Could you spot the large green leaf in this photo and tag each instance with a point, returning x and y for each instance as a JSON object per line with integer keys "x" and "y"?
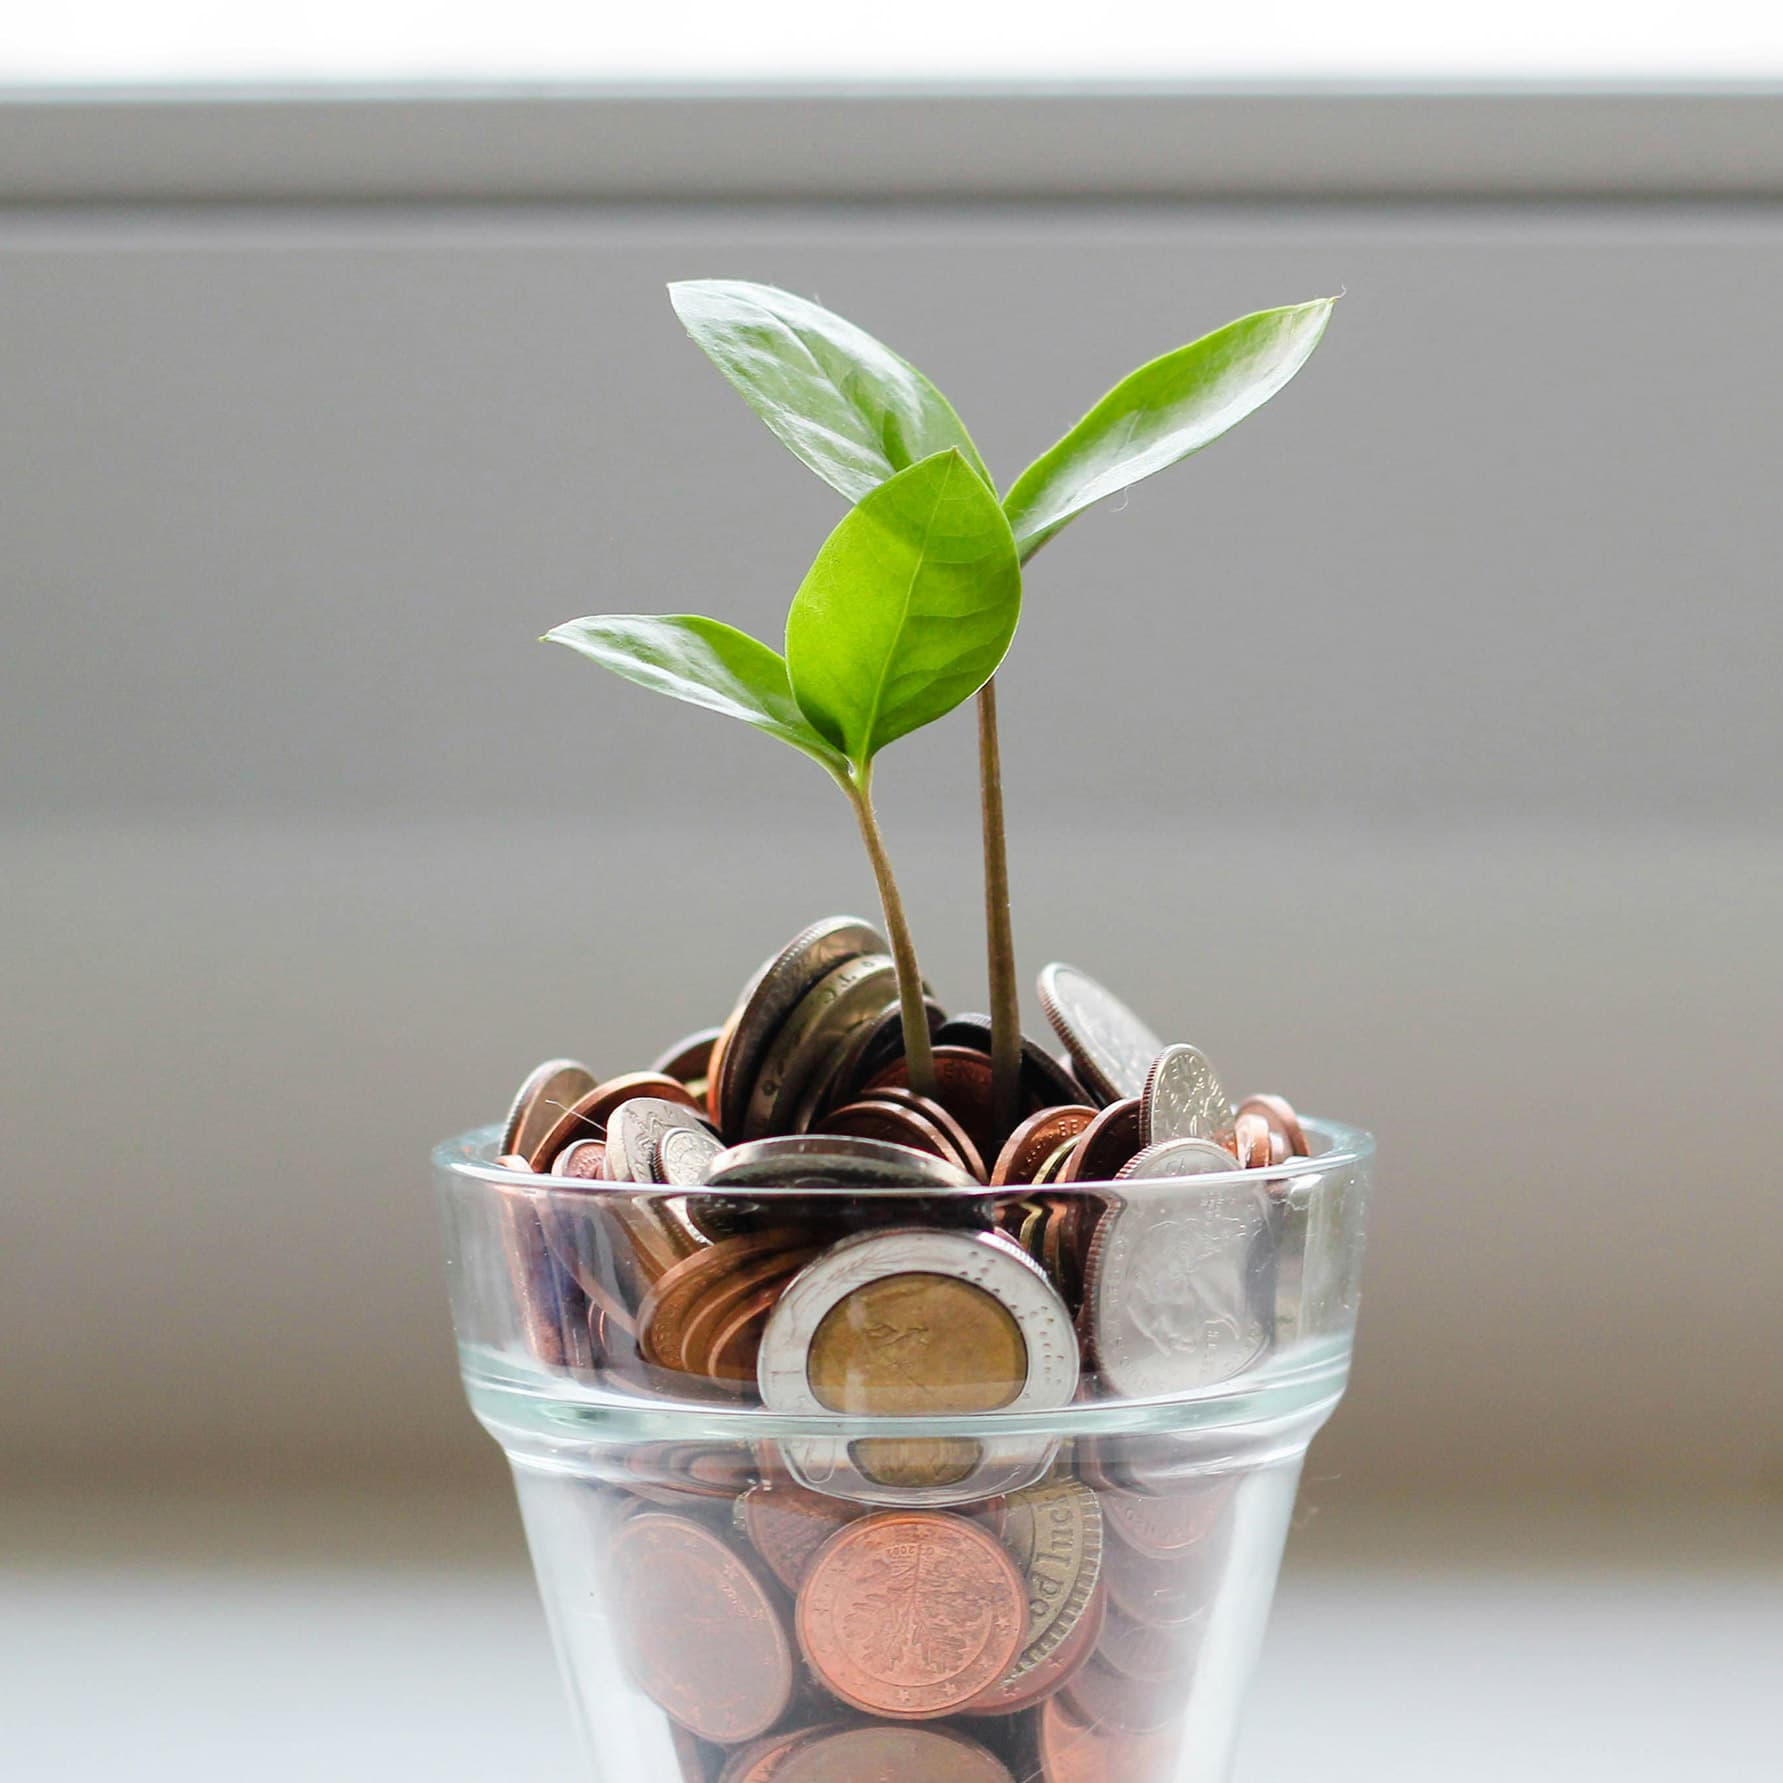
{"x": 908, "y": 609}
{"x": 853, "y": 410}
{"x": 1160, "y": 414}
{"x": 704, "y": 663}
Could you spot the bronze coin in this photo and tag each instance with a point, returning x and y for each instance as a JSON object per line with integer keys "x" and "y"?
{"x": 1044, "y": 1081}
{"x": 694, "y": 1756}
{"x": 1279, "y": 1112}
{"x": 1072, "y": 1750}
{"x": 689, "y": 1058}
{"x": 911, "y": 1614}
{"x": 548, "y": 1090}
{"x": 787, "y": 1524}
{"x": 545, "y": 1298}
{"x": 715, "y": 1309}
{"x": 892, "y": 1755}
{"x": 662, "y": 1316}
{"x": 865, "y": 1056}
{"x": 1163, "y": 1525}
{"x": 917, "y": 1344}
{"x": 962, "y": 1087}
{"x": 1107, "y": 1698}
{"x": 824, "y": 1020}
{"x": 1111, "y": 1140}
{"x": 702, "y": 1636}
{"x": 1053, "y": 1532}
{"x": 1036, "y": 1139}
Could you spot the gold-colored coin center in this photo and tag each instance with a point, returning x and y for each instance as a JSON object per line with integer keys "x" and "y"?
{"x": 910, "y": 1345}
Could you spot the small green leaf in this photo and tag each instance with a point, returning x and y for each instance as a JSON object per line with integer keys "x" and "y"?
{"x": 704, "y": 663}
{"x": 848, "y": 406}
{"x": 1161, "y": 413}
{"x": 908, "y": 609}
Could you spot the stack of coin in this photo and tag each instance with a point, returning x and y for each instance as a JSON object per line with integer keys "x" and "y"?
{"x": 770, "y": 1214}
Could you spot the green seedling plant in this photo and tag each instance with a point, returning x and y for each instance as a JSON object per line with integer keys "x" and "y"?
{"x": 861, "y": 416}
{"x": 905, "y": 614}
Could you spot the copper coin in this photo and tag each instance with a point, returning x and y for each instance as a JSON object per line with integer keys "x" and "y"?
{"x": 1251, "y": 1134}
{"x": 1036, "y": 1139}
{"x": 1023, "y": 1687}
{"x": 1165, "y": 1593}
{"x": 892, "y": 1755}
{"x": 1107, "y": 1698}
{"x": 1279, "y": 1112}
{"x": 1074, "y": 1751}
{"x": 758, "y": 1284}
{"x": 729, "y": 1353}
{"x": 1044, "y": 1081}
{"x": 962, "y": 1087}
{"x": 1165, "y": 1524}
{"x": 663, "y": 1314}
{"x": 960, "y": 1142}
{"x": 1106, "y": 1145}
{"x": 693, "y": 1755}
{"x": 911, "y": 1614}
{"x": 866, "y": 1055}
{"x": 770, "y": 997}
{"x": 548, "y": 1090}
{"x": 582, "y": 1160}
{"x": 702, "y": 1636}
{"x": 876, "y": 1119}
{"x": 787, "y": 1524}
{"x": 1154, "y": 1655}
{"x": 689, "y": 1058}
{"x": 539, "y": 1284}
{"x": 763, "y": 1759}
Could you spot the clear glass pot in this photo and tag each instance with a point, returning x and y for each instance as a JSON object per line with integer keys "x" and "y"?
{"x": 1046, "y": 1550}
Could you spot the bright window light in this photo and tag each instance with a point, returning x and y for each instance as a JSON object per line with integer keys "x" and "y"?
{"x": 76, "y": 42}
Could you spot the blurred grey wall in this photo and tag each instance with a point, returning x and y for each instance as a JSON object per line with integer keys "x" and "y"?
{"x": 1415, "y": 750}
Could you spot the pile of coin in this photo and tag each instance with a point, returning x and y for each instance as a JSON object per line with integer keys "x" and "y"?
{"x": 1050, "y": 1633}
{"x": 771, "y": 1216}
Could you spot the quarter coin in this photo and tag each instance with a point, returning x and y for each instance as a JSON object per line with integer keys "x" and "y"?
{"x": 635, "y": 1132}
{"x": 1176, "y": 1157}
{"x": 911, "y": 1614}
{"x": 1110, "y": 1046}
{"x": 1182, "y": 1098}
{"x": 1179, "y": 1281}
{"x": 700, "y": 1631}
{"x": 685, "y": 1154}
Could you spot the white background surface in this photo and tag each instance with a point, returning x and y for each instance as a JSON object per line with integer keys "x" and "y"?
{"x": 352, "y": 1639}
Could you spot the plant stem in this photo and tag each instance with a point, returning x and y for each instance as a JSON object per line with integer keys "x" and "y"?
{"x": 999, "y": 932}
{"x": 919, "y": 1058}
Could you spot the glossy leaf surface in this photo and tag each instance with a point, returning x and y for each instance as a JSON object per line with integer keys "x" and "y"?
{"x": 1161, "y": 413}
{"x": 846, "y": 404}
{"x": 705, "y": 663}
{"x": 907, "y": 610}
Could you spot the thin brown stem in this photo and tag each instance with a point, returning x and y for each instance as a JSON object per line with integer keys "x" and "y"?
{"x": 919, "y": 1056}
{"x": 999, "y": 931}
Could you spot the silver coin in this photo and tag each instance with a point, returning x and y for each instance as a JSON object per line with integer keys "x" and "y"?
{"x": 550, "y": 1090}
{"x": 1110, "y": 1046}
{"x": 772, "y": 995}
{"x": 1182, "y": 1098}
{"x": 984, "y": 1260}
{"x": 1180, "y": 1279}
{"x": 819, "y": 1161}
{"x": 635, "y": 1131}
{"x": 685, "y": 1154}
{"x": 854, "y": 994}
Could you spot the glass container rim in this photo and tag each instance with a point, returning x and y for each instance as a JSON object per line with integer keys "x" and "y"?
{"x": 472, "y": 1153}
